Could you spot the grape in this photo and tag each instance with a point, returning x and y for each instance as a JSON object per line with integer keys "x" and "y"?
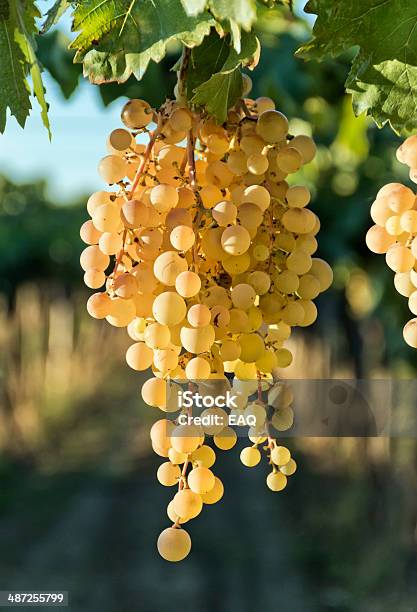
{"x": 260, "y": 281}
{"x": 289, "y": 160}
{"x": 298, "y": 220}
{"x": 89, "y": 234}
{"x": 99, "y": 305}
{"x": 298, "y": 196}
{"x": 125, "y": 286}
{"x": 292, "y": 313}
{"x": 203, "y": 456}
{"x": 218, "y": 174}
{"x": 410, "y": 333}
{"x": 160, "y": 433}
{"x": 235, "y": 240}
{"x": 272, "y": 126}
{"x": 197, "y": 340}
{"x": 182, "y": 237}
{"x": 181, "y": 120}
{"x": 276, "y": 481}
{"x": 378, "y": 240}
{"x": 169, "y": 308}
{"x": 243, "y": 296}
{"x": 229, "y": 350}
{"x": 252, "y": 145}
{"x": 249, "y": 215}
{"x": 224, "y": 213}
{"x": 170, "y": 155}
{"x": 112, "y": 169}
{"x": 286, "y": 282}
{"x": 407, "y": 152}
{"x": 250, "y": 456}
{"x": 210, "y": 196}
{"x": 139, "y": 356}
{"x": 226, "y": 439}
{"x": 94, "y": 279}
{"x": 403, "y": 284}
{"x": 174, "y": 544}
{"x": 106, "y": 218}
{"x": 310, "y": 312}
{"x": 299, "y": 261}
{"x": 307, "y": 243}
{"x": 168, "y": 474}
{"x": 323, "y": 272}
{"x": 257, "y": 163}
{"x": 201, "y": 480}
{"x": 135, "y": 214}
{"x": 237, "y": 162}
{"x": 119, "y": 140}
{"x": 154, "y": 392}
{"x": 199, "y": 315}
{"x": 257, "y": 194}
{"x": 185, "y": 439}
{"x": 136, "y": 114}
{"x": 264, "y": 104}
{"x": 211, "y": 243}
{"x": 252, "y": 347}
{"x": 399, "y": 258}
{"x": 188, "y": 284}
{"x": 309, "y": 287}
{"x": 93, "y": 258}
{"x": 157, "y": 336}
{"x": 215, "y": 494}
{"x": 197, "y": 368}
{"x": 168, "y": 266}
{"x": 305, "y": 145}
{"x": 164, "y": 197}
{"x": 408, "y": 221}
{"x": 110, "y": 244}
{"x": 283, "y": 419}
{"x": 98, "y": 199}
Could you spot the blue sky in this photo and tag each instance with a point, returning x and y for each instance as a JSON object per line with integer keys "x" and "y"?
{"x": 79, "y": 128}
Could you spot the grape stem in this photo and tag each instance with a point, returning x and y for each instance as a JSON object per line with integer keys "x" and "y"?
{"x": 145, "y": 159}
{"x": 271, "y": 441}
{"x": 193, "y": 183}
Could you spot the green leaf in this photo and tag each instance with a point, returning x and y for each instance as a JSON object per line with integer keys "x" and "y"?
{"x": 242, "y": 12}
{"x": 24, "y": 35}
{"x": 219, "y": 93}
{"x": 14, "y": 90}
{"x": 54, "y": 14}
{"x": 383, "y": 77}
{"x": 214, "y": 80}
{"x": 118, "y": 38}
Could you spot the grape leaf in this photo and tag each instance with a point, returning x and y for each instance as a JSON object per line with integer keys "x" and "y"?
{"x": 214, "y": 80}
{"x": 14, "y": 90}
{"x": 242, "y": 12}
{"x": 54, "y": 14}
{"x": 383, "y": 76}
{"x": 24, "y": 36}
{"x": 118, "y": 38}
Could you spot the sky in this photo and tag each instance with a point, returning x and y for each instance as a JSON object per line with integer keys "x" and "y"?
{"x": 80, "y": 127}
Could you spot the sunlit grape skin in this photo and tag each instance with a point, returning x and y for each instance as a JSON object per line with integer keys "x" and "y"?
{"x": 206, "y": 255}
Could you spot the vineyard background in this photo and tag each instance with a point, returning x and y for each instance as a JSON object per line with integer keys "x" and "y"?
{"x": 80, "y": 508}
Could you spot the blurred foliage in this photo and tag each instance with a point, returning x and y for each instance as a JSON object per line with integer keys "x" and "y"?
{"x": 38, "y": 241}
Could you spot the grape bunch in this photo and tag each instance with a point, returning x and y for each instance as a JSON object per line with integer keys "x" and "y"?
{"x": 212, "y": 266}
{"x": 395, "y": 233}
